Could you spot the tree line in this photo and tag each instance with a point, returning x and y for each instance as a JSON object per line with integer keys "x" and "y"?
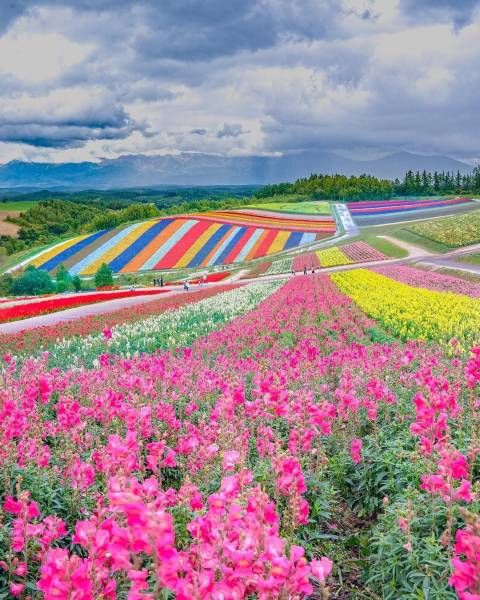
{"x": 351, "y": 188}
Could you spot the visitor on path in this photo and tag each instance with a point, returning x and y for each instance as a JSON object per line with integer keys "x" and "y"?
{"x": 313, "y": 270}
{"x": 185, "y": 286}
{"x": 305, "y": 269}
{"x": 161, "y": 280}
{"x": 204, "y": 279}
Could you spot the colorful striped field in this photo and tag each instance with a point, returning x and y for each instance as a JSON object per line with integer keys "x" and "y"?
{"x": 377, "y": 210}
{"x": 197, "y": 240}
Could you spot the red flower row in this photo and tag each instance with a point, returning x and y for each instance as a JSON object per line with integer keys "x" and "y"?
{"x": 32, "y": 339}
{"x": 33, "y": 309}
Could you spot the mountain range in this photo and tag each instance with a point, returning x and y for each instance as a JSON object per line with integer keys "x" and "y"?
{"x": 208, "y": 169}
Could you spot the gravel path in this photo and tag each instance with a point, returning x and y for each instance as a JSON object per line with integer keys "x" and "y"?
{"x": 413, "y": 250}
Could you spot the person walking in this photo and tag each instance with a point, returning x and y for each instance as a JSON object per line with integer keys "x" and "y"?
{"x": 305, "y": 269}
{"x": 185, "y": 286}
{"x": 161, "y": 280}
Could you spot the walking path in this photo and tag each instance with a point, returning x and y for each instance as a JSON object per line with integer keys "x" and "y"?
{"x": 451, "y": 264}
{"x": 413, "y": 250}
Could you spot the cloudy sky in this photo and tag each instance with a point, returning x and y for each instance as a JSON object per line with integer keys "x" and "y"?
{"x": 87, "y": 79}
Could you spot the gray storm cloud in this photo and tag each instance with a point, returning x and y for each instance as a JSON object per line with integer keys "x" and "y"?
{"x": 280, "y": 75}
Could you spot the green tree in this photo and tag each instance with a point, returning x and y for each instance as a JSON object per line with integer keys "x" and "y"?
{"x": 103, "y": 276}
{"x": 32, "y": 282}
{"x": 6, "y": 283}
{"x": 63, "y": 280}
{"x": 77, "y": 283}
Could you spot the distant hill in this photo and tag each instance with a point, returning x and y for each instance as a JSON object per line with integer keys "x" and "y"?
{"x": 207, "y": 169}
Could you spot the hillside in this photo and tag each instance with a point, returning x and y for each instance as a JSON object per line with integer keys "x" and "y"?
{"x": 194, "y": 240}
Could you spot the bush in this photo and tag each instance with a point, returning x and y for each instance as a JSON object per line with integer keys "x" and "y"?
{"x": 77, "y": 283}
{"x": 64, "y": 280}
{"x": 32, "y": 282}
{"x": 6, "y": 282}
{"x": 104, "y": 276}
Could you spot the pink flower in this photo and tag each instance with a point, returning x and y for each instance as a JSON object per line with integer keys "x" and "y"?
{"x": 230, "y": 459}
{"x": 16, "y": 589}
{"x": 107, "y": 333}
{"x": 464, "y": 491}
{"x": 356, "y": 450}
{"x": 322, "y": 568}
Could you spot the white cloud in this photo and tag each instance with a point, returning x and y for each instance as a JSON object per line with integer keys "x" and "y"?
{"x": 35, "y": 57}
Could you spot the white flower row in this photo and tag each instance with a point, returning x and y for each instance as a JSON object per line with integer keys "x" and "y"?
{"x": 280, "y": 266}
{"x": 173, "y": 328}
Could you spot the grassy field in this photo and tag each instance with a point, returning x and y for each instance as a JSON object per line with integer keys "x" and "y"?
{"x": 19, "y": 206}
{"x": 385, "y": 246}
{"x": 471, "y": 259}
{"x": 308, "y": 208}
{"x": 400, "y": 231}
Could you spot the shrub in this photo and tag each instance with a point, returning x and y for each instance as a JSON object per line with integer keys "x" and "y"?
{"x": 104, "y": 276}
{"x": 64, "y": 281}
{"x": 32, "y": 282}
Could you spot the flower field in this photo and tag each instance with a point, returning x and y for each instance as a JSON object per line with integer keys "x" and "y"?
{"x": 413, "y": 313}
{"x": 392, "y": 207}
{"x": 453, "y": 232}
{"x": 171, "y": 328}
{"x": 309, "y": 260}
{"x": 195, "y": 240}
{"x": 355, "y": 252}
{"x": 39, "y": 339}
{"x": 280, "y": 266}
{"x": 24, "y": 310}
{"x": 313, "y": 439}
{"x": 430, "y": 280}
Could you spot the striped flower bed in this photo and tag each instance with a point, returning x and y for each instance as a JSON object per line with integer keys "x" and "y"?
{"x": 280, "y": 266}
{"x": 200, "y": 240}
{"x": 333, "y": 257}
{"x": 39, "y": 339}
{"x": 42, "y": 307}
{"x": 355, "y": 252}
{"x": 362, "y": 252}
{"x": 309, "y": 260}
{"x": 384, "y": 207}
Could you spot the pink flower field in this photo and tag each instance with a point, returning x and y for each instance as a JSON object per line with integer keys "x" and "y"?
{"x": 283, "y": 456}
{"x": 430, "y": 280}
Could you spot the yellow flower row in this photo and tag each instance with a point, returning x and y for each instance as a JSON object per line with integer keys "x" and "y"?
{"x": 413, "y": 313}
{"x": 332, "y": 257}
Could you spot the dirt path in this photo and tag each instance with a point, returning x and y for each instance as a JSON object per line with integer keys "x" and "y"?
{"x": 413, "y": 250}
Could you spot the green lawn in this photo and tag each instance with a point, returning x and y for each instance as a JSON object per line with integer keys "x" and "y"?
{"x": 408, "y": 235}
{"x": 308, "y": 208}
{"x": 386, "y": 247}
{"x": 471, "y": 259}
{"x": 21, "y": 205}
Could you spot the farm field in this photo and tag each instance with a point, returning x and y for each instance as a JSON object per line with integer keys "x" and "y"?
{"x": 368, "y": 213}
{"x": 351, "y": 253}
{"x": 284, "y": 436}
{"x": 196, "y": 240}
{"x": 452, "y": 232}
{"x": 307, "y": 208}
